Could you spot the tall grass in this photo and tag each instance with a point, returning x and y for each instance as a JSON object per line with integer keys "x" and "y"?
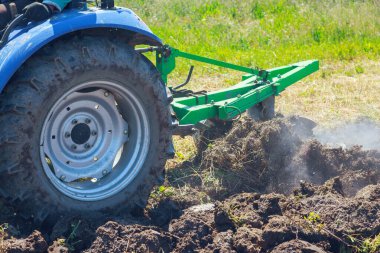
{"x": 266, "y": 33}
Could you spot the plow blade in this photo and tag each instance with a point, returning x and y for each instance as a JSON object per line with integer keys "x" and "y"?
{"x": 228, "y": 103}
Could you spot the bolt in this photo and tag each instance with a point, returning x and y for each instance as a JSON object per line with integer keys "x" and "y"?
{"x": 62, "y": 178}
{"x": 67, "y": 135}
{"x": 106, "y": 94}
{"x": 105, "y": 172}
{"x": 74, "y": 147}
{"x": 87, "y": 146}
{"x": 87, "y": 121}
{"x": 279, "y": 76}
{"x": 125, "y": 132}
{"x": 95, "y": 158}
{"x": 74, "y": 121}
{"x": 94, "y": 133}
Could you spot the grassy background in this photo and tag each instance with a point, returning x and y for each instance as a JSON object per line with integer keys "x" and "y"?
{"x": 266, "y": 32}
{"x": 343, "y": 34}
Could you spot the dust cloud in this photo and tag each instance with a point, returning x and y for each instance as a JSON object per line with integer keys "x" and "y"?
{"x": 363, "y": 132}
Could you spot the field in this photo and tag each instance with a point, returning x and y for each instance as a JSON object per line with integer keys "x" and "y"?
{"x": 306, "y": 181}
{"x": 343, "y": 35}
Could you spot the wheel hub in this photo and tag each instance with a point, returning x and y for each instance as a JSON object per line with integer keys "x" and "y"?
{"x": 86, "y": 132}
{"x": 80, "y": 133}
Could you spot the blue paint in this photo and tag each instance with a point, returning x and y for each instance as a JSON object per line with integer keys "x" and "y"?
{"x": 24, "y": 42}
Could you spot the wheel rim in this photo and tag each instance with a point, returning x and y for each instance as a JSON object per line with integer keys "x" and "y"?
{"x": 95, "y": 140}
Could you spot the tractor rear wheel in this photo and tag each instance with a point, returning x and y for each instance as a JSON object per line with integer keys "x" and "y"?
{"x": 85, "y": 128}
{"x": 263, "y": 111}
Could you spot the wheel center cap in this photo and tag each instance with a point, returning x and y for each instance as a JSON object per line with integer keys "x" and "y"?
{"x": 80, "y": 134}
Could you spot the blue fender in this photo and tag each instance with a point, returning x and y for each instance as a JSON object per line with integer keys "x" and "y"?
{"x": 24, "y": 42}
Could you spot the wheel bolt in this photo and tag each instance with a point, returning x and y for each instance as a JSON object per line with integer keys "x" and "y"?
{"x": 87, "y": 146}
{"x": 87, "y": 121}
{"x": 95, "y": 158}
{"x": 106, "y": 94}
{"x": 74, "y": 147}
{"x": 125, "y": 132}
{"x": 94, "y": 133}
{"x": 74, "y": 121}
{"x": 105, "y": 172}
{"x": 67, "y": 135}
{"x": 62, "y": 178}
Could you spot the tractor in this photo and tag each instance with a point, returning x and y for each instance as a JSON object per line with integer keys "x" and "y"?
{"x": 86, "y": 119}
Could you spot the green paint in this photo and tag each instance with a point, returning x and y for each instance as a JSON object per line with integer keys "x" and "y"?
{"x": 257, "y": 85}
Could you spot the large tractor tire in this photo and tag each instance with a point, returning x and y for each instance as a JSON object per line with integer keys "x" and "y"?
{"x": 85, "y": 128}
{"x": 263, "y": 111}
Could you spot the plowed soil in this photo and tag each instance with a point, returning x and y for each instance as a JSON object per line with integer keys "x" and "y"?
{"x": 258, "y": 187}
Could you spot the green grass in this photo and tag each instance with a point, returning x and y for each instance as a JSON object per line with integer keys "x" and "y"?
{"x": 343, "y": 34}
{"x": 266, "y": 33}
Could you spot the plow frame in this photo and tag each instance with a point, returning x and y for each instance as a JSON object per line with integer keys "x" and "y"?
{"x": 257, "y": 85}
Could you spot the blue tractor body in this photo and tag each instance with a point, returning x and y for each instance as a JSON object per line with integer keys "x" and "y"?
{"x": 25, "y": 41}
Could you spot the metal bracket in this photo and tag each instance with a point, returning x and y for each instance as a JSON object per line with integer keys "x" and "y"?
{"x": 187, "y": 79}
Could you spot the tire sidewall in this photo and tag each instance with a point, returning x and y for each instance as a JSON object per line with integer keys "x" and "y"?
{"x": 40, "y": 112}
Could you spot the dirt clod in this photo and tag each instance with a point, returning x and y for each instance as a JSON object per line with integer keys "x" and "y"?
{"x": 114, "y": 237}
{"x": 297, "y": 246}
{"x": 33, "y": 243}
{"x": 248, "y": 240}
{"x": 194, "y": 228}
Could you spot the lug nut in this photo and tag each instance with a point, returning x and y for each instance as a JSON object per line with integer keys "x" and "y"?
{"x": 105, "y": 172}
{"x": 74, "y": 121}
{"x": 106, "y": 94}
{"x": 74, "y": 147}
{"x": 95, "y": 158}
{"x": 87, "y": 121}
{"x": 67, "y": 135}
{"x": 125, "y": 132}
{"x": 87, "y": 146}
{"x": 62, "y": 178}
{"x": 94, "y": 133}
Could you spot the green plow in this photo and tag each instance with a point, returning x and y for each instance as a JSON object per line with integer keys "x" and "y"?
{"x": 257, "y": 85}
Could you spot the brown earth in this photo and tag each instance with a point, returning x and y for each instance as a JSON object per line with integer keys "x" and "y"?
{"x": 260, "y": 187}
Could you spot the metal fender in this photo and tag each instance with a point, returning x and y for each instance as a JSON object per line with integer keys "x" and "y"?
{"x": 24, "y": 42}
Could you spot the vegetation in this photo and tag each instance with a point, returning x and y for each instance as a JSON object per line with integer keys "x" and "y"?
{"x": 266, "y": 33}
{"x": 343, "y": 34}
